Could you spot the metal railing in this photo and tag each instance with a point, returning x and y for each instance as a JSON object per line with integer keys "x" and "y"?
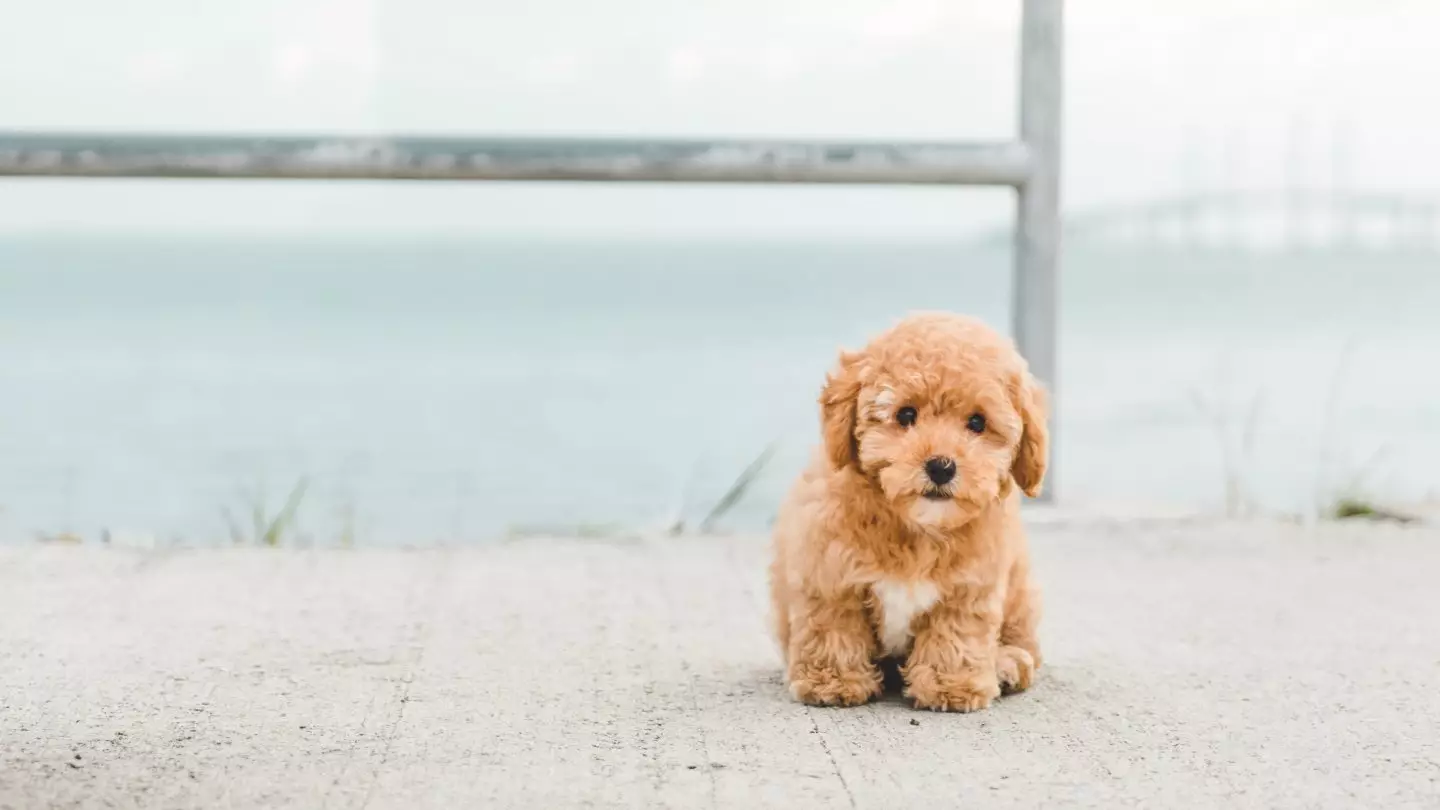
{"x": 1030, "y": 164}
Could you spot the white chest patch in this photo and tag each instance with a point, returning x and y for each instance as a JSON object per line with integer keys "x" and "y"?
{"x": 900, "y": 602}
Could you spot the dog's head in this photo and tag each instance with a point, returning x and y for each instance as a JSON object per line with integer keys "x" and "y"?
{"x": 941, "y": 414}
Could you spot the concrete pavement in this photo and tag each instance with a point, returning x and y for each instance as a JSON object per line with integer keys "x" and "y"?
{"x": 1189, "y": 665}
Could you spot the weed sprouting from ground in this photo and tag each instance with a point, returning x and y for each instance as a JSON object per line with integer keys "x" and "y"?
{"x": 737, "y": 490}
{"x": 1341, "y": 490}
{"x": 1236, "y": 453}
{"x": 674, "y": 524}
{"x": 1350, "y": 508}
{"x": 1325, "y": 460}
{"x": 266, "y": 529}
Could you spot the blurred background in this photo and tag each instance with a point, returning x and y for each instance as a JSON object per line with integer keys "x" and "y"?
{"x": 1249, "y": 275}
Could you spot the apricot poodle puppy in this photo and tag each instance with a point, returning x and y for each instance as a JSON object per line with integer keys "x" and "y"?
{"x": 902, "y": 542}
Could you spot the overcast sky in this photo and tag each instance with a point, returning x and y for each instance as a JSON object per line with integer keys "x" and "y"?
{"x": 1161, "y": 95}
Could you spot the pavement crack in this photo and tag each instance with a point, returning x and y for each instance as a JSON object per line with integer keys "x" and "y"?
{"x": 418, "y": 635}
{"x": 704, "y": 744}
{"x": 403, "y": 699}
{"x": 834, "y": 763}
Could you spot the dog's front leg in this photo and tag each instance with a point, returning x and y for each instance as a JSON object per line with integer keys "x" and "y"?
{"x": 952, "y": 665}
{"x": 832, "y": 651}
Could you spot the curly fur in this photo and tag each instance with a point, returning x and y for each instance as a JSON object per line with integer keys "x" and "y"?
{"x": 865, "y": 531}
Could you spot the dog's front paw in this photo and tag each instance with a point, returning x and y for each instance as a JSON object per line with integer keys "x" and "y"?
{"x": 829, "y": 686}
{"x": 950, "y": 692}
{"x": 1015, "y": 669}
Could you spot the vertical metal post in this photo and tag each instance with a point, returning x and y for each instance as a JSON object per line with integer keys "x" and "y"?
{"x": 1037, "y": 227}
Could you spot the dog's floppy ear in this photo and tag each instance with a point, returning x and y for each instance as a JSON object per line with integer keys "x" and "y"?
{"x": 838, "y": 409}
{"x": 1032, "y": 455}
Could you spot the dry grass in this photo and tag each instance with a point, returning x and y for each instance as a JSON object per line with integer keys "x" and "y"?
{"x": 736, "y": 493}
{"x": 1237, "y": 453}
{"x": 266, "y": 529}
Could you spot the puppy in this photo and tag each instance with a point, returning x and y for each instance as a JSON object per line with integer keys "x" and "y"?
{"x": 903, "y": 539}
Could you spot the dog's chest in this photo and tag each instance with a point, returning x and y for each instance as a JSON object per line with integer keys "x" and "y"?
{"x": 898, "y": 603}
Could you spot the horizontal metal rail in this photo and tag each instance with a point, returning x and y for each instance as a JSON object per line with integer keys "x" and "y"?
{"x": 1030, "y": 164}
{"x": 559, "y": 159}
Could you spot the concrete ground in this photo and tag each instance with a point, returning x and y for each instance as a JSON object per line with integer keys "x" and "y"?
{"x": 1195, "y": 665}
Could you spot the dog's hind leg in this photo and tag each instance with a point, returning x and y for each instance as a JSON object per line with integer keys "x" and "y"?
{"x": 1019, "y": 655}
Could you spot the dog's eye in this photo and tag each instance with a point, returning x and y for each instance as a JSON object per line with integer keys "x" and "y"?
{"x": 976, "y": 423}
{"x": 906, "y": 416}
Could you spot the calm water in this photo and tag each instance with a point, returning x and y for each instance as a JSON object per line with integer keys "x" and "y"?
{"x": 442, "y": 392}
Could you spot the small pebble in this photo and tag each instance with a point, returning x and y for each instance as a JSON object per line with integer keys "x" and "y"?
{"x": 914, "y": 722}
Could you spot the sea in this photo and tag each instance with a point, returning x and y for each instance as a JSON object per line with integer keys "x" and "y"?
{"x": 409, "y": 391}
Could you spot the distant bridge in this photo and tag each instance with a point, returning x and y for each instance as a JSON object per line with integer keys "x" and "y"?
{"x": 1302, "y": 220}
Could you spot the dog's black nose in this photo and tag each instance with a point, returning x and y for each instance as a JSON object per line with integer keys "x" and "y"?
{"x": 941, "y": 470}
